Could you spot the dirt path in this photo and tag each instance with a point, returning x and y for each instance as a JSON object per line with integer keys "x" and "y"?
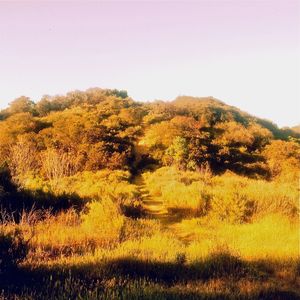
{"x": 155, "y": 209}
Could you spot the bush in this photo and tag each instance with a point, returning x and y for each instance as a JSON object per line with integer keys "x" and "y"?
{"x": 232, "y": 206}
{"x": 223, "y": 264}
{"x": 13, "y": 249}
{"x": 192, "y": 197}
{"x": 94, "y": 185}
{"x": 103, "y": 221}
{"x": 238, "y": 199}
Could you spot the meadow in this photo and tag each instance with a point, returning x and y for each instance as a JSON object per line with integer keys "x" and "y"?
{"x": 228, "y": 242}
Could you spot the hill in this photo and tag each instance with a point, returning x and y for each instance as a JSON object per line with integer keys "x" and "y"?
{"x": 296, "y": 129}
{"x": 104, "y": 197}
{"x": 100, "y": 128}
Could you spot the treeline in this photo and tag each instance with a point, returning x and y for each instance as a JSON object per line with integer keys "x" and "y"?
{"x": 58, "y": 103}
{"x": 99, "y": 129}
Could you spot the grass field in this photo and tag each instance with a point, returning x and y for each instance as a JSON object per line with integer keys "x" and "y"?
{"x": 237, "y": 238}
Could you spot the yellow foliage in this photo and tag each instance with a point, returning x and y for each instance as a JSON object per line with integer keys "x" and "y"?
{"x": 90, "y": 185}
{"x": 103, "y": 221}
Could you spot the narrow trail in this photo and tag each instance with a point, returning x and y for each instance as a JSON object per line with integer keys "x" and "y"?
{"x": 155, "y": 209}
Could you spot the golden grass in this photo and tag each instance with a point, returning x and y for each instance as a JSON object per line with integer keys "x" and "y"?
{"x": 271, "y": 231}
{"x": 229, "y": 197}
{"x": 102, "y": 236}
{"x": 272, "y": 238}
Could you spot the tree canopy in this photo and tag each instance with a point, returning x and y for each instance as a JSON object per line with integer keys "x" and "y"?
{"x": 105, "y": 129}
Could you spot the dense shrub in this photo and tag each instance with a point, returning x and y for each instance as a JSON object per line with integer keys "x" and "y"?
{"x": 283, "y": 159}
{"x": 231, "y": 206}
{"x": 89, "y": 185}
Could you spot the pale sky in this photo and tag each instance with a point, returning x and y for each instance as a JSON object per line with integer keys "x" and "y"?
{"x": 245, "y": 53}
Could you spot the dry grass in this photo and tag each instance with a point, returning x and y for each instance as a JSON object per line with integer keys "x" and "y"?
{"x": 273, "y": 237}
{"x": 211, "y": 255}
{"x": 67, "y": 236}
{"x": 229, "y": 197}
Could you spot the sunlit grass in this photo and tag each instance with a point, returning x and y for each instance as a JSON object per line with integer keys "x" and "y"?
{"x": 223, "y": 251}
{"x": 273, "y": 237}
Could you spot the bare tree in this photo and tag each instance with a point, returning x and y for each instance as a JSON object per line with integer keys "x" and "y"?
{"x": 57, "y": 164}
{"x": 23, "y": 158}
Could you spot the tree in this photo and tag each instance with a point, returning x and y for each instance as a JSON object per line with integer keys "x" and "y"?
{"x": 57, "y": 164}
{"x": 23, "y": 157}
{"x": 283, "y": 158}
{"x": 177, "y": 153}
{"x": 44, "y": 106}
{"x": 262, "y": 136}
{"x": 21, "y": 105}
{"x": 13, "y": 127}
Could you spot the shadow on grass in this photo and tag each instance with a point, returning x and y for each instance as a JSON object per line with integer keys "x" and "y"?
{"x": 14, "y": 200}
{"x": 17, "y": 201}
{"x": 129, "y": 278}
{"x": 218, "y": 265}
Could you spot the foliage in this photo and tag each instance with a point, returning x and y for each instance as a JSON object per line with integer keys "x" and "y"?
{"x": 97, "y": 129}
{"x": 283, "y": 159}
{"x": 237, "y": 200}
{"x": 177, "y": 153}
{"x": 21, "y": 105}
{"x": 104, "y": 221}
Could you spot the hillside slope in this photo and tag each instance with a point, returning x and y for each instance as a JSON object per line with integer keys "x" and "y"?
{"x": 99, "y": 129}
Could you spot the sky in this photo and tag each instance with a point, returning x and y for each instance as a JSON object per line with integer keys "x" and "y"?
{"x": 245, "y": 53}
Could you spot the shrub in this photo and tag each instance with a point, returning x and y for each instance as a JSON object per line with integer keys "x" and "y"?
{"x": 103, "y": 221}
{"x": 94, "y": 185}
{"x": 283, "y": 159}
{"x": 105, "y": 183}
{"x": 192, "y": 197}
{"x": 238, "y": 199}
{"x": 139, "y": 228}
{"x": 231, "y": 206}
{"x": 223, "y": 264}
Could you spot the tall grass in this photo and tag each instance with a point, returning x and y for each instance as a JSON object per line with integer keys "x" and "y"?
{"x": 244, "y": 241}
{"x": 229, "y": 197}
